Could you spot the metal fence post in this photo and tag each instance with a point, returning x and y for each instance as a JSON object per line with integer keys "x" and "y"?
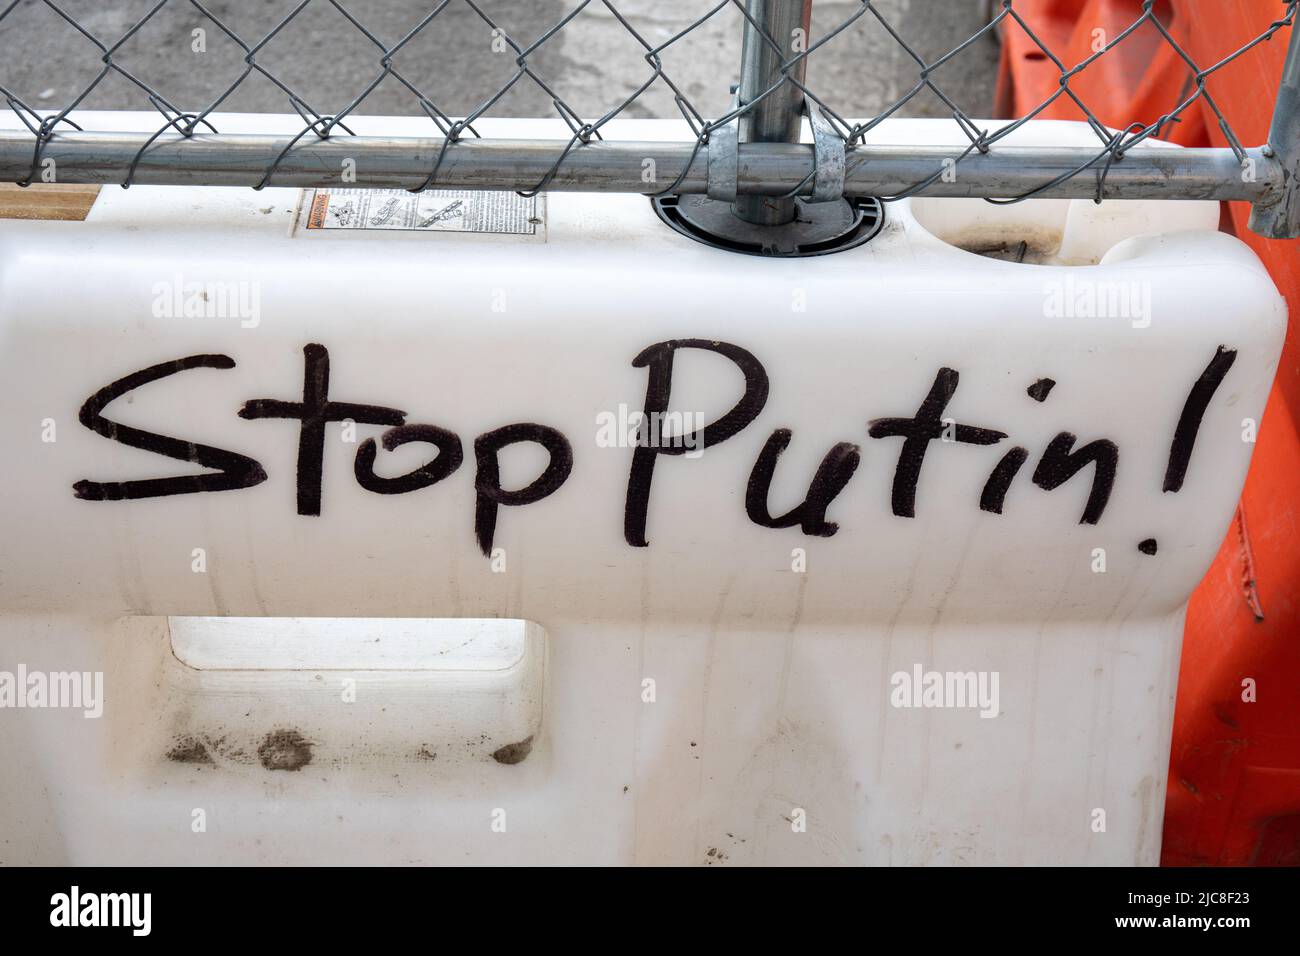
{"x": 778, "y": 117}
{"x": 1281, "y": 219}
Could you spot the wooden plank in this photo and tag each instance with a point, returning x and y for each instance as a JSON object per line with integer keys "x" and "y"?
{"x": 59, "y": 201}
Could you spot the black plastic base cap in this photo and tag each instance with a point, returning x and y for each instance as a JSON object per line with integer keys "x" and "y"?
{"x": 818, "y": 229}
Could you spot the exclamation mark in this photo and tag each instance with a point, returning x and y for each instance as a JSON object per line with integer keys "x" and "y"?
{"x": 1189, "y": 425}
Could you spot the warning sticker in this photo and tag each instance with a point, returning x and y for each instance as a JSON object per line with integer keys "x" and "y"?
{"x": 434, "y": 210}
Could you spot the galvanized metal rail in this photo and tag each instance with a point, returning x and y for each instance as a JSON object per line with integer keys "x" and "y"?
{"x": 764, "y": 169}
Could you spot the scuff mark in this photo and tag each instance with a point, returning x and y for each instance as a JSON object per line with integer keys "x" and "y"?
{"x": 284, "y": 750}
{"x": 1248, "y": 585}
{"x": 514, "y": 753}
{"x": 190, "y": 750}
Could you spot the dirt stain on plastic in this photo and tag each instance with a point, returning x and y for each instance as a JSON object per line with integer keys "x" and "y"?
{"x": 190, "y": 750}
{"x": 514, "y": 753}
{"x": 284, "y": 750}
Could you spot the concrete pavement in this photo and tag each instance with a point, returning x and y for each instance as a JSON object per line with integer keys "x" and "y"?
{"x": 593, "y": 62}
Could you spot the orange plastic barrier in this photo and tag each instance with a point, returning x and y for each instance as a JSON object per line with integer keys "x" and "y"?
{"x": 1234, "y": 790}
{"x": 1141, "y": 79}
{"x": 1234, "y": 783}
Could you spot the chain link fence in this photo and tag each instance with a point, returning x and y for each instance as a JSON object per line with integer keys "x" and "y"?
{"x": 741, "y": 140}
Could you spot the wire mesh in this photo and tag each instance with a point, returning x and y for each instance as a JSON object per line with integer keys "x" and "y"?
{"x": 112, "y": 46}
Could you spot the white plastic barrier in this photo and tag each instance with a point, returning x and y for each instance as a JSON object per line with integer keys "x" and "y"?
{"x": 693, "y": 687}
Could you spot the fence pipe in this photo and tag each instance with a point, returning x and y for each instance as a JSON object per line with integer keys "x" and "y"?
{"x": 765, "y": 169}
{"x": 777, "y": 117}
{"x": 1280, "y": 219}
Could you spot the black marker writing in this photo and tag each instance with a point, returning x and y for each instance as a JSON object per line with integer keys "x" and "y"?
{"x": 658, "y": 359}
{"x": 919, "y": 431}
{"x": 832, "y": 475}
{"x": 1041, "y": 389}
{"x": 487, "y": 482}
{"x": 233, "y": 470}
{"x": 314, "y": 411}
{"x": 1059, "y": 464}
{"x": 447, "y": 460}
{"x": 1189, "y": 423}
{"x": 995, "y": 489}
